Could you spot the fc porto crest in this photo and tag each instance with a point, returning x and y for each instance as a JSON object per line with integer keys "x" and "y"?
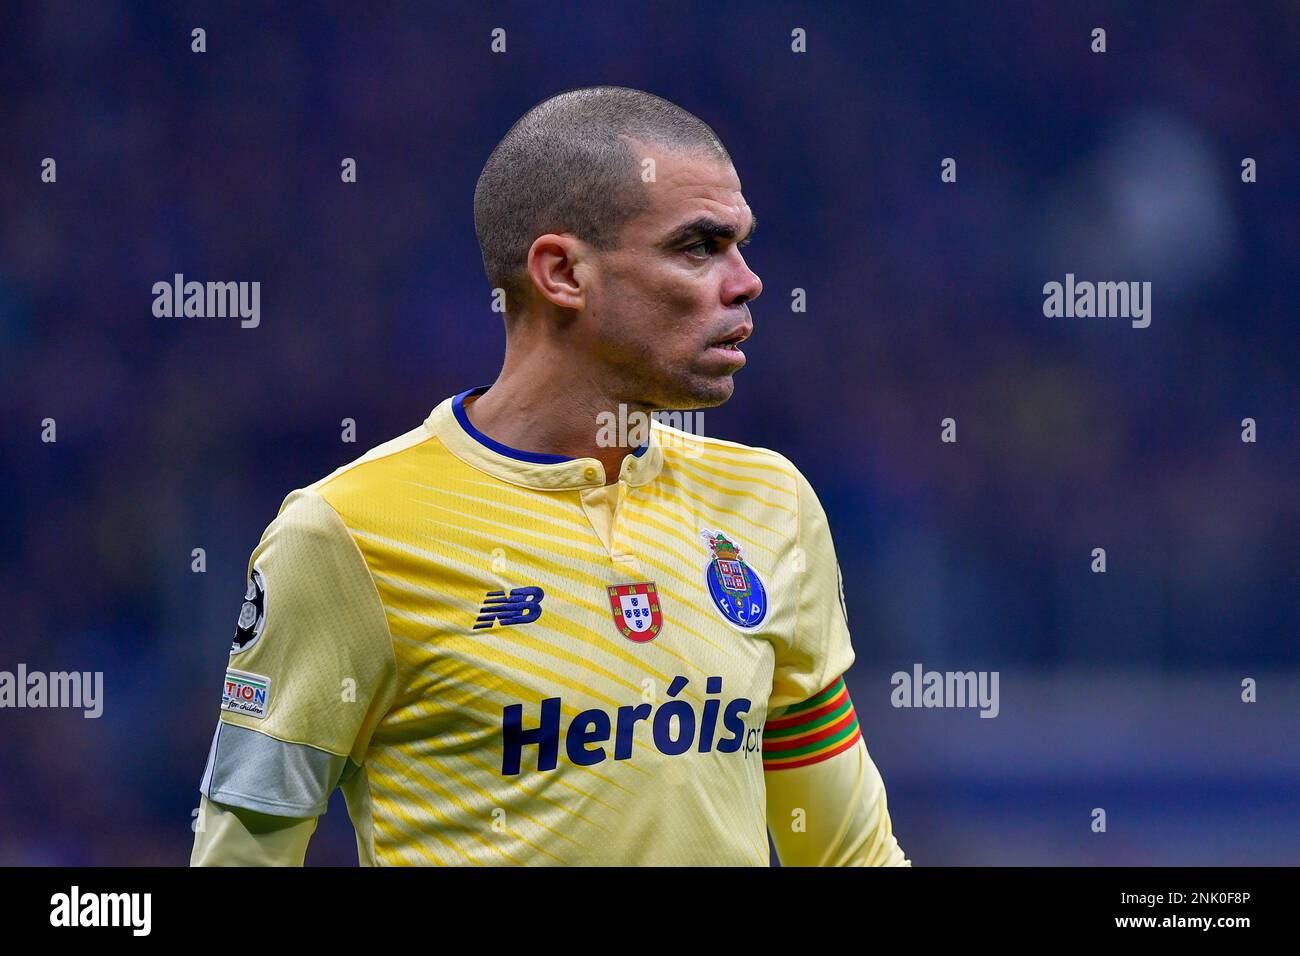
{"x": 636, "y": 611}
{"x": 734, "y": 586}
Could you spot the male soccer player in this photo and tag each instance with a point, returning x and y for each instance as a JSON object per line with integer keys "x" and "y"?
{"x": 510, "y": 639}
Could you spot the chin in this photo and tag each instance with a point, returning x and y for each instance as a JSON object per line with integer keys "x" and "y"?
{"x": 700, "y": 392}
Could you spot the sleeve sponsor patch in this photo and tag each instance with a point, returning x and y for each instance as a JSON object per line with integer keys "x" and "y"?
{"x": 246, "y": 693}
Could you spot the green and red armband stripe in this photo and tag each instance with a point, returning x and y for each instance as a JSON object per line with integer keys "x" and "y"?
{"x": 815, "y": 730}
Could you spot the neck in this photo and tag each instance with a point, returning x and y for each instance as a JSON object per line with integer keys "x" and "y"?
{"x": 545, "y": 406}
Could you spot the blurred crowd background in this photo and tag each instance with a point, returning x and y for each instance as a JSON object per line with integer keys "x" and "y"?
{"x": 1119, "y": 690}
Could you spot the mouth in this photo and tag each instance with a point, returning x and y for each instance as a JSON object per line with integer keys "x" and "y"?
{"x": 731, "y": 341}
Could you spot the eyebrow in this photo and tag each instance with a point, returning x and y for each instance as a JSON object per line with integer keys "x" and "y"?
{"x": 706, "y": 227}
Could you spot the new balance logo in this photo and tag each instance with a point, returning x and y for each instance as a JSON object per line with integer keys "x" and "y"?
{"x": 523, "y": 606}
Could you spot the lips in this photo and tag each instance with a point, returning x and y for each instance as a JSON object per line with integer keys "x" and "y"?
{"x": 732, "y": 339}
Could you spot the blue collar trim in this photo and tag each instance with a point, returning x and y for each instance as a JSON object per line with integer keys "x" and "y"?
{"x": 534, "y": 457}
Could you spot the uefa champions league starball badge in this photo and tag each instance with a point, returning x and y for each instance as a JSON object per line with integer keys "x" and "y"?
{"x": 735, "y": 588}
{"x": 252, "y": 613}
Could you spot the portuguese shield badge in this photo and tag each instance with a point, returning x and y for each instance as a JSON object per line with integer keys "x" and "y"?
{"x": 636, "y": 611}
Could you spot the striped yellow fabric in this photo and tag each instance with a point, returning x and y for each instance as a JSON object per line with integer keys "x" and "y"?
{"x": 539, "y": 668}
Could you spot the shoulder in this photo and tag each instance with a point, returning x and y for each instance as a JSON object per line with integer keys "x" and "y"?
{"x": 327, "y": 510}
{"x": 378, "y": 462}
{"x": 684, "y": 447}
{"x": 376, "y": 480}
{"x": 734, "y": 464}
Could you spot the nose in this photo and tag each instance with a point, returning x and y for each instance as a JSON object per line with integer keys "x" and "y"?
{"x": 745, "y": 285}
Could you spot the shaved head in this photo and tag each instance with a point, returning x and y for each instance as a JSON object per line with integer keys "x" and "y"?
{"x": 571, "y": 165}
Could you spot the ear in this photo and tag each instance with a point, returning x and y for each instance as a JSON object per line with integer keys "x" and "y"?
{"x": 558, "y": 264}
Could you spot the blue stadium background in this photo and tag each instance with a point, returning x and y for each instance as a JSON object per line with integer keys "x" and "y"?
{"x": 1118, "y": 690}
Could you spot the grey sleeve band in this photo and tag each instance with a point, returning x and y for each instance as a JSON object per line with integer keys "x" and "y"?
{"x": 251, "y": 770}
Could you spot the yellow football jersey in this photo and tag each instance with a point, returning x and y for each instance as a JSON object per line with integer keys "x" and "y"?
{"x": 503, "y": 660}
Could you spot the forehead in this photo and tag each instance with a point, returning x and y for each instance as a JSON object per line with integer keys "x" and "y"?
{"x": 687, "y": 186}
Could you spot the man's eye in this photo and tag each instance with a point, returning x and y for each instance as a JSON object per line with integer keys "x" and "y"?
{"x": 709, "y": 246}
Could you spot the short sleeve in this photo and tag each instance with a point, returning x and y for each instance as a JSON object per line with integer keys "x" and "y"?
{"x": 832, "y": 812}
{"x": 222, "y": 838}
{"x": 311, "y": 670}
{"x": 819, "y": 651}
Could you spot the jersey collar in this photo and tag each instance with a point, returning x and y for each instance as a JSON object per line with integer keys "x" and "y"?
{"x": 450, "y": 422}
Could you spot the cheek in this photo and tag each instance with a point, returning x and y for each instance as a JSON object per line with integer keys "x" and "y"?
{"x": 663, "y": 308}
{"x": 662, "y": 290}
{"x": 673, "y": 322}
{"x": 679, "y": 300}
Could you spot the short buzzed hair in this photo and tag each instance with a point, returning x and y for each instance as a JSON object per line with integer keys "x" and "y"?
{"x": 566, "y": 166}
